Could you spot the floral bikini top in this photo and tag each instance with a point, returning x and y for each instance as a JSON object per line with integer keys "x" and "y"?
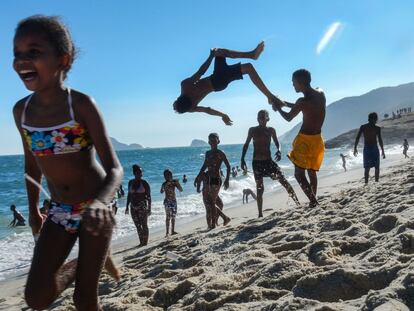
{"x": 64, "y": 138}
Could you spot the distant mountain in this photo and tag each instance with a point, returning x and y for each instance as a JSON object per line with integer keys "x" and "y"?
{"x": 118, "y": 146}
{"x": 392, "y": 132}
{"x": 198, "y": 143}
{"x": 350, "y": 112}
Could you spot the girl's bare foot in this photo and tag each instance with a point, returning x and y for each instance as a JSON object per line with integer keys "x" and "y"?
{"x": 258, "y": 50}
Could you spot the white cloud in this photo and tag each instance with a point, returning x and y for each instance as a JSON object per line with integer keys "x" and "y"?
{"x": 328, "y": 35}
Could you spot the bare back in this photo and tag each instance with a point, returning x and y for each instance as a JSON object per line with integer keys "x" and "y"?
{"x": 313, "y": 107}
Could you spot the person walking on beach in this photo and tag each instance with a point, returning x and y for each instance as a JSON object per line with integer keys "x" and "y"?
{"x": 246, "y": 193}
{"x": 343, "y": 157}
{"x": 263, "y": 165}
{"x": 371, "y": 153}
{"x": 195, "y": 88}
{"x": 405, "y": 148}
{"x": 212, "y": 163}
{"x": 60, "y": 130}
{"x": 308, "y": 146}
{"x": 202, "y": 186}
{"x": 18, "y": 219}
{"x": 139, "y": 198}
{"x": 170, "y": 201}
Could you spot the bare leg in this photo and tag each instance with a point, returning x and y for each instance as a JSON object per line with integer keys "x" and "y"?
{"x": 47, "y": 277}
{"x": 260, "y": 190}
{"x": 254, "y": 54}
{"x": 249, "y": 70}
{"x": 167, "y": 225}
{"x": 111, "y": 268}
{"x": 377, "y": 171}
{"x": 93, "y": 251}
{"x": 213, "y": 192}
{"x": 313, "y": 178}
{"x": 173, "y": 225}
{"x": 283, "y": 181}
{"x": 306, "y": 187}
{"x": 366, "y": 175}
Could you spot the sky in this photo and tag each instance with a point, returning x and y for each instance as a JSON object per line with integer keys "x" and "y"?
{"x": 133, "y": 55}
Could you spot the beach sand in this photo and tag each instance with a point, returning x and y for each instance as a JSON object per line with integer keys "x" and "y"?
{"x": 353, "y": 252}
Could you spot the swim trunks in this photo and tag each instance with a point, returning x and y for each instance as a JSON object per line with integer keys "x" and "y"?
{"x": 308, "y": 151}
{"x": 223, "y": 74}
{"x": 68, "y": 216}
{"x": 265, "y": 168}
{"x": 371, "y": 156}
{"x": 170, "y": 208}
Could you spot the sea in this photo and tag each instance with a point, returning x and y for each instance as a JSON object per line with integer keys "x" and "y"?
{"x": 16, "y": 244}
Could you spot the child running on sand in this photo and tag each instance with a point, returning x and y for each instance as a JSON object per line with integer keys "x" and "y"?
{"x": 212, "y": 162}
{"x": 263, "y": 165}
{"x": 170, "y": 201}
{"x": 139, "y": 198}
{"x": 202, "y": 186}
{"x": 371, "y": 153}
{"x": 195, "y": 88}
{"x": 308, "y": 146}
{"x": 61, "y": 129}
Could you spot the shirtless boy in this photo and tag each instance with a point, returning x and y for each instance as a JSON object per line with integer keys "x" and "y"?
{"x": 202, "y": 186}
{"x": 308, "y": 146}
{"x": 195, "y": 88}
{"x": 371, "y": 153}
{"x": 246, "y": 193}
{"x": 213, "y": 160}
{"x": 263, "y": 165}
{"x": 170, "y": 201}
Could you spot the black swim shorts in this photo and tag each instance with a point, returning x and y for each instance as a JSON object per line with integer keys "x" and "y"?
{"x": 223, "y": 74}
{"x": 265, "y": 168}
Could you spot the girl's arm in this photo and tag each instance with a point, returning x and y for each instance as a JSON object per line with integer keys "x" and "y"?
{"x": 31, "y": 169}
{"x": 148, "y": 192}
{"x": 93, "y": 120}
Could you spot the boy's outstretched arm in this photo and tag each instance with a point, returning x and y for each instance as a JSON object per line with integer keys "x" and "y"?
{"x": 245, "y": 147}
{"x": 288, "y": 116}
{"x": 357, "y": 140}
{"x": 226, "y": 119}
{"x": 203, "y": 68}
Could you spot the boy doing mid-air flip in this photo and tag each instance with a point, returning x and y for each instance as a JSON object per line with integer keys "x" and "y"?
{"x": 308, "y": 146}
{"x": 195, "y": 88}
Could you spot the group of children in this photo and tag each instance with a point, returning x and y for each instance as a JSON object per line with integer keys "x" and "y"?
{"x": 62, "y": 130}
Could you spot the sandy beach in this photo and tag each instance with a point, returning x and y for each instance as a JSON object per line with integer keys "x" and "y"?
{"x": 353, "y": 252}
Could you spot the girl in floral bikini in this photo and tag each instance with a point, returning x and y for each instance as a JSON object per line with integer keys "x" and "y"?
{"x": 61, "y": 129}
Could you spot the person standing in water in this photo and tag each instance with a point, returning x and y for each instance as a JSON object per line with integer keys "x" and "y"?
{"x": 195, "y": 88}
{"x": 18, "y": 219}
{"x": 343, "y": 158}
{"x": 170, "y": 201}
{"x": 61, "y": 129}
{"x": 139, "y": 198}
{"x": 263, "y": 165}
{"x": 405, "y": 148}
{"x": 371, "y": 153}
{"x": 308, "y": 146}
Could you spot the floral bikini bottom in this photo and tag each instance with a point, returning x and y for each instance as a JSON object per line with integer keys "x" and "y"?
{"x": 68, "y": 216}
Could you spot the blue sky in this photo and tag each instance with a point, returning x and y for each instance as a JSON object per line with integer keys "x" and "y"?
{"x": 133, "y": 54}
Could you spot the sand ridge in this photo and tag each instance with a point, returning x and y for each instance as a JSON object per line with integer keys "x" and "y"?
{"x": 354, "y": 252}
